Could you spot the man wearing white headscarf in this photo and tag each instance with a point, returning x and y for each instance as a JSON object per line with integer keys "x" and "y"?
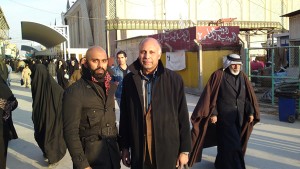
{"x": 225, "y": 115}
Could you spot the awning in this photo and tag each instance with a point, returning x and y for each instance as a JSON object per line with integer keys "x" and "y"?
{"x": 28, "y": 48}
{"x": 42, "y": 34}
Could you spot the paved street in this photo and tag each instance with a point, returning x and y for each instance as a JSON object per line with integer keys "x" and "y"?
{"x": 272, "y": 145}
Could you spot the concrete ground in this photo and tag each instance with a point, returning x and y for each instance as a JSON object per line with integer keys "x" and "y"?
{"x": 272, "y": 145}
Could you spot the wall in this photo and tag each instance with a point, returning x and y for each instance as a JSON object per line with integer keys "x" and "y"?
{"x": 190, "y": 75}
{"x": 131, "y": 47}
{"x": 294, "y": 27}
{"x": 212, "y": 60}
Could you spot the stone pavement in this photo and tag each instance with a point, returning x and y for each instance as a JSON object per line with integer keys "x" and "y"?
{"x": 273, "y": 144}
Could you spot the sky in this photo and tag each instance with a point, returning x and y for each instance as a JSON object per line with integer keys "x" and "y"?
{"x": 40, "y": 11}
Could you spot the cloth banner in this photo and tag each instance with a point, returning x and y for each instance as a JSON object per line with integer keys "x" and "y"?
{"x": 175, "y": 60}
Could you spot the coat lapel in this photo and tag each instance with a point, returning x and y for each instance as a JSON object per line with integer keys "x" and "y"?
{"x": 231, "y": 83}
{"x": 138, "y": 83}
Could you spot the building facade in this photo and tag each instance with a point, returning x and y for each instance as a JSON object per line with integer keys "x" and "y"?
{"x": 4, "y": 34}
{"x": 104, "y": 22}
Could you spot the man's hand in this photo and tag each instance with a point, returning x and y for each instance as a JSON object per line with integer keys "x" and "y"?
{"x": 213, "y": 119}
{"x": 88, "y": 168}
{"x": 126, "y": 157}
{"x": 251, "y": 118}
{"x": 182, "y": 160}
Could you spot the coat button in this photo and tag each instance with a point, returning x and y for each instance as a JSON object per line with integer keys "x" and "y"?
{"x": 107, "y": 124}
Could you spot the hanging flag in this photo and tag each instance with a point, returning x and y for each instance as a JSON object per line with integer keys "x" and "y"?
{"x": 175, "y": 60}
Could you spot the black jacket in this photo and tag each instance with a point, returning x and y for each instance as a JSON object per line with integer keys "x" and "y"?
{"x": 87, "y": 112}
{"x": 171, "y": 125}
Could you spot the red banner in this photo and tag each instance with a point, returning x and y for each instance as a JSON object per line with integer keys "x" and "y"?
{"x": 207, "y": 36}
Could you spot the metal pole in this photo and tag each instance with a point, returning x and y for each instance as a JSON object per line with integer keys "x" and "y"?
{"x": 247, "y": 61}
{"x": 65, "y": 52}
{"x": 200, "y": 68}
{"x": 106, "y": 37}
{"x": 272, "y": 73}
{"x": 106, "y": 26}
{"x": 68, "y": 40}
{"x": 298, "y": 81}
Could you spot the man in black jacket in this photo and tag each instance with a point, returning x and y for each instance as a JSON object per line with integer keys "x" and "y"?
{"x": 154, "y": 120}
{"x": 89, "y": 116}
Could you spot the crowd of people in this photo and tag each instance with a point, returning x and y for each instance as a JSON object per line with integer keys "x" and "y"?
{"x": 74, "y": 108}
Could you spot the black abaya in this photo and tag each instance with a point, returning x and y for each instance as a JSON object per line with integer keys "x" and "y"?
{"x": 7, "y": 129}
{"x": 47, "y": 114}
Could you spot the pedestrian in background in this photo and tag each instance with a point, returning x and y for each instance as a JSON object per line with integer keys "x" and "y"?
{"x": 72, "y": 67}
{"x": 21, "y": 65}
{"x": 154, "y": 120}
{"x": 62, "y": 74}
{"x": 9, "y": 70}
{"x": 26, "y": 76}
{"x": 8, "y": 103}
{"x": 225, "y": 115}
{"x": 47, "y": 114}
{"x": 89, "y": 117}
{"x": 52, "y": 69}
{"x": 120, "y": 72}
{"x": 77, "y": 73}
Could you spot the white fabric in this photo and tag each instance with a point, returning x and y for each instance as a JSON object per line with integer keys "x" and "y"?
{"x": 227, "y": 62}
{"x": 175, "y": 60}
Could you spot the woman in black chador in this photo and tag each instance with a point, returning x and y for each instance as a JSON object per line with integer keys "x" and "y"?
{"x": 47, "y": 114}
{"x": 8, "y": 103}
{"x": 62, "y": 74}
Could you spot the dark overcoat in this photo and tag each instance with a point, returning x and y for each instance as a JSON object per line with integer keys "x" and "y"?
{"x": 171, "y": 127}
{"x": 202, "y": 133}
{"x": 86, "y": 111}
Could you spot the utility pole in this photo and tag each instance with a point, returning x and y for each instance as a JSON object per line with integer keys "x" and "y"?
{"x": 282, "y": 10}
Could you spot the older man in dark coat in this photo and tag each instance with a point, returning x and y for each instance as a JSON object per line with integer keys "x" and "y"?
{"x": 154, "y": 121}
{"x": 89, "y": 115}
{"x": 225, "y": 115}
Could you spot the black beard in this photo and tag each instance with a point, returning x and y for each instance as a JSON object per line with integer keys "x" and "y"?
{"x": 98, "y": 76}
{"x": 87, "y": 73}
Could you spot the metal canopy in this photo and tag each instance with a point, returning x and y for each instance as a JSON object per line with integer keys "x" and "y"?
{"x": 291, "y": 14}
{"x": 28, "y": 48}
{"x": 42, "y": 34}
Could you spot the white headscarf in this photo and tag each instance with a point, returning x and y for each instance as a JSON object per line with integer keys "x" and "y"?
{"x": 231, "y": 59}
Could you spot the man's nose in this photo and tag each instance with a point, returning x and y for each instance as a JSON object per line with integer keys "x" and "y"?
{"x": 146, "y": 55}
{"x": 100, "y": 65}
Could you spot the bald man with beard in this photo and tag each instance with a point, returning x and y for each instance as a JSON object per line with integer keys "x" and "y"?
{"x": 89, "y": 115}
